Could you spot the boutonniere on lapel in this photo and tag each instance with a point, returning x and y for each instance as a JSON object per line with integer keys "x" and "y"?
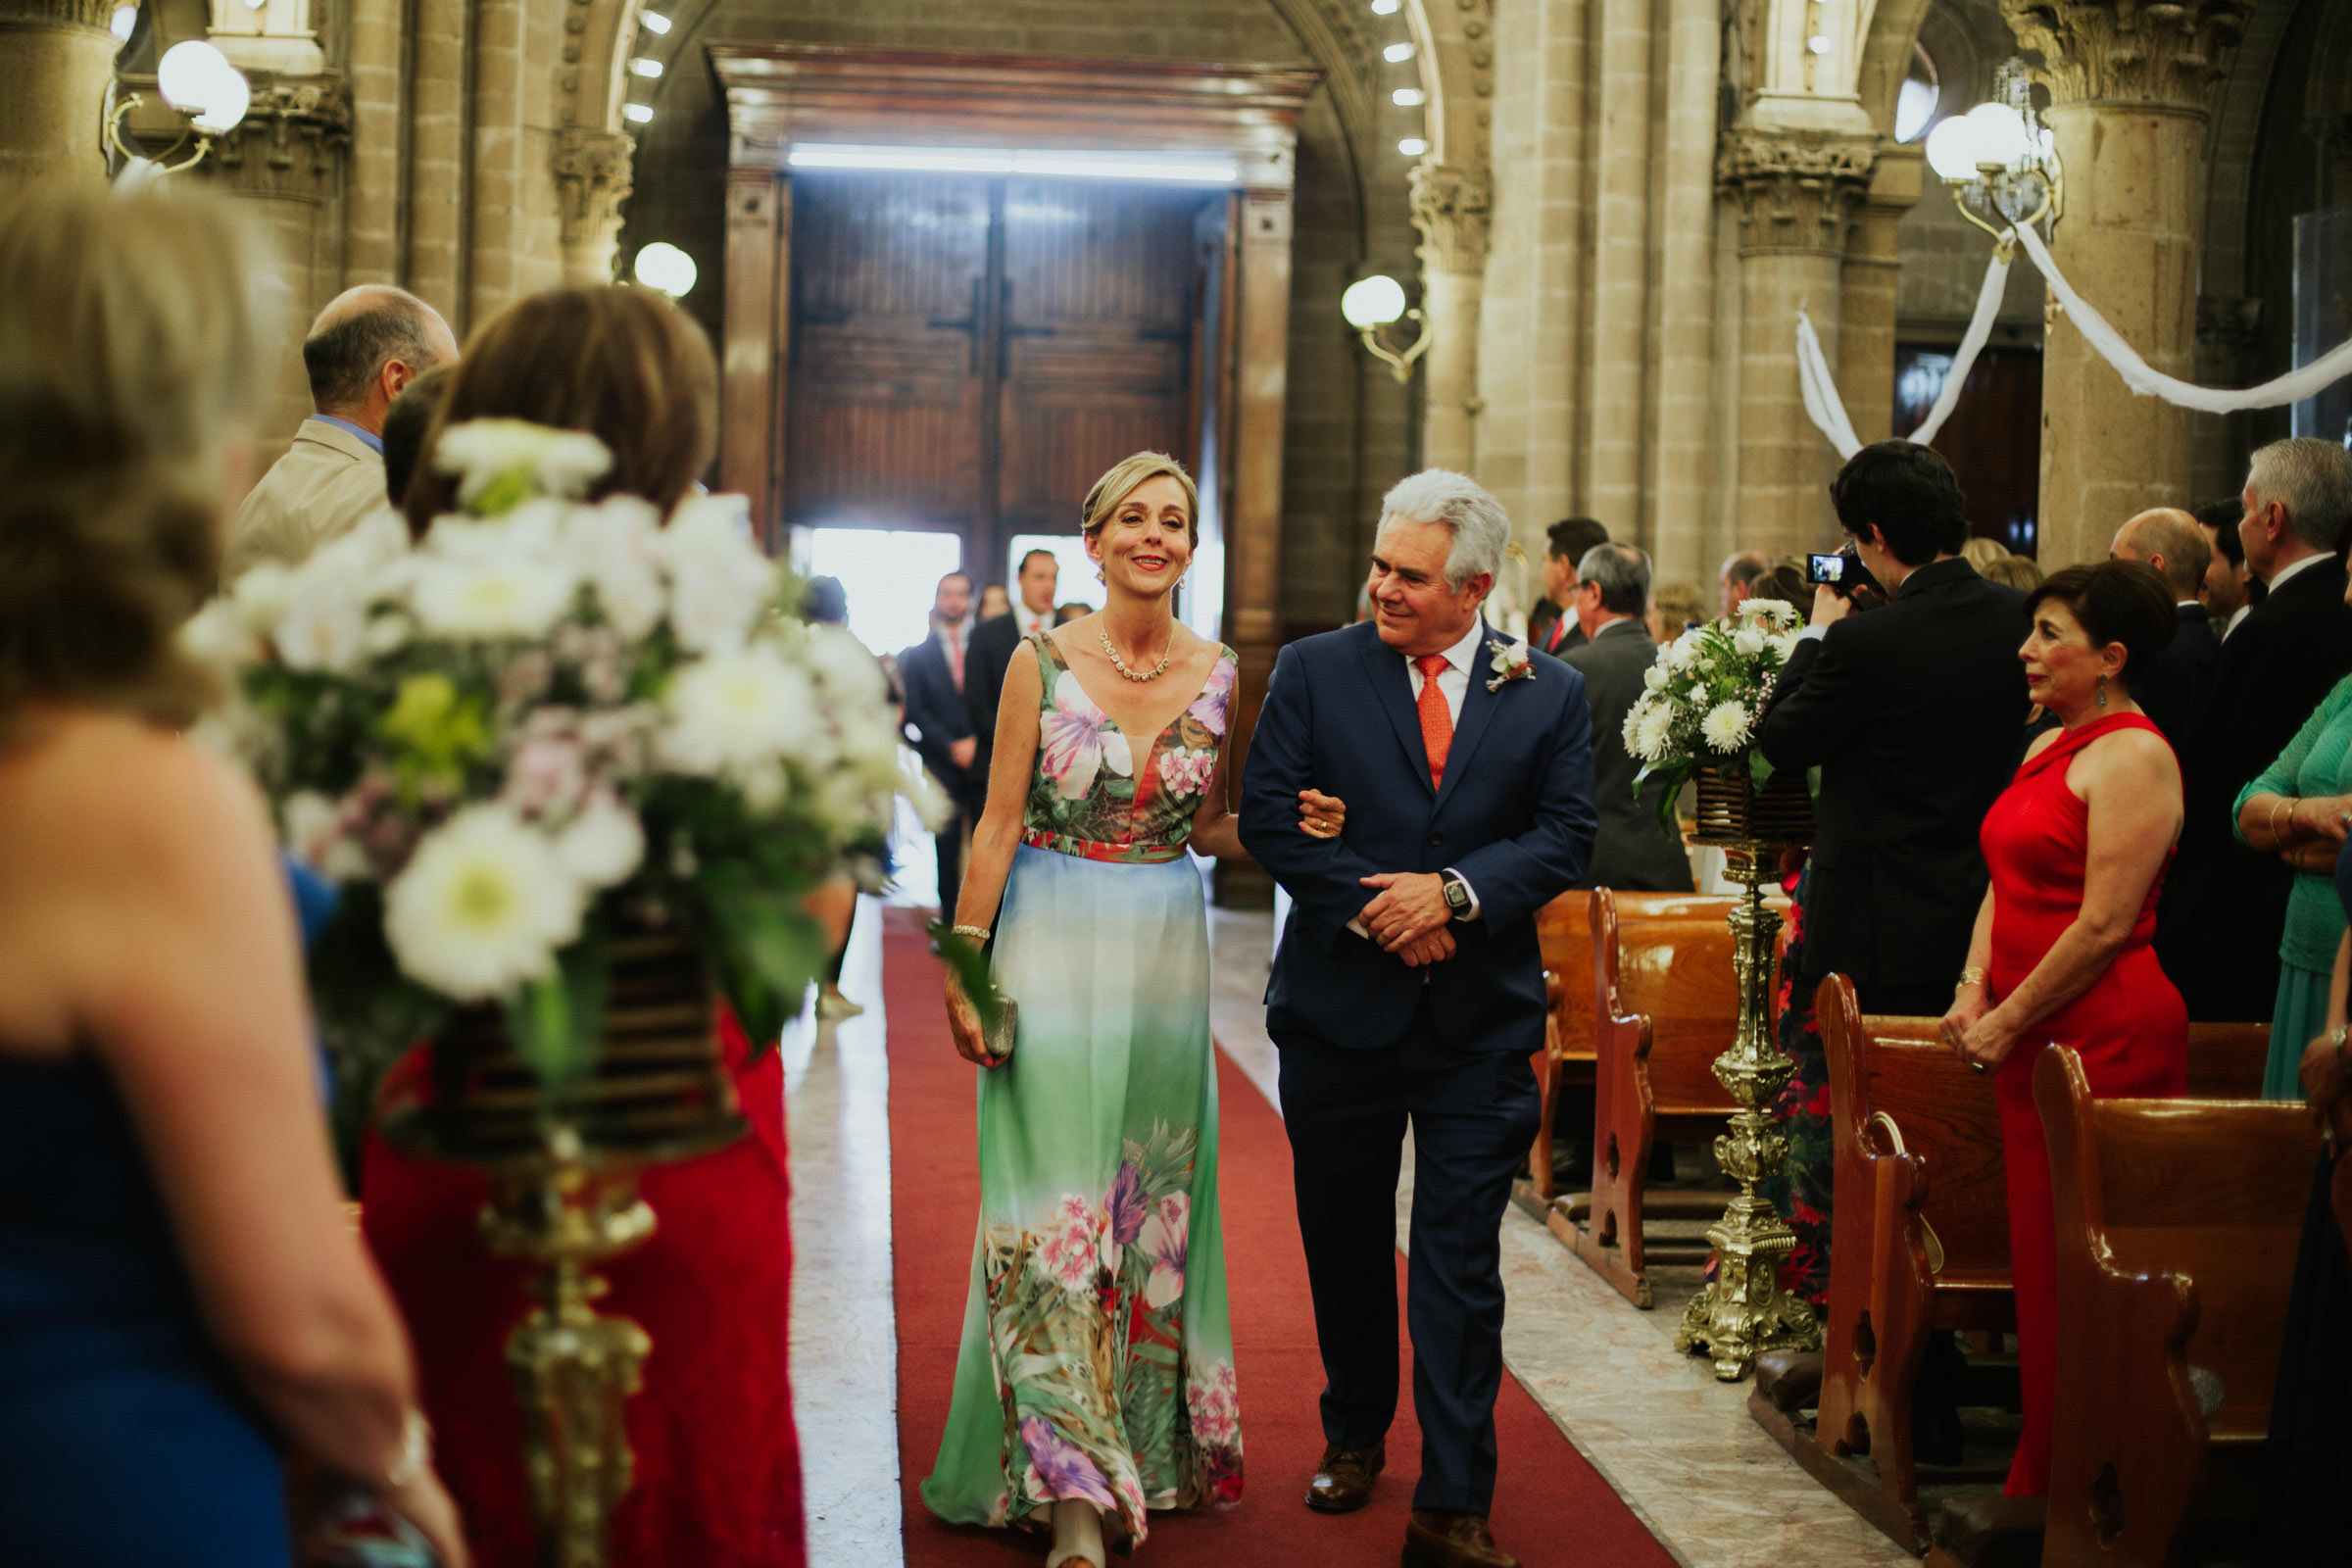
{"x": 1510, "y": 662}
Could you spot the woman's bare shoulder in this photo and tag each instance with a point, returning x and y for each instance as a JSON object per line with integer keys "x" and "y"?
{"x": 109, "y": 789}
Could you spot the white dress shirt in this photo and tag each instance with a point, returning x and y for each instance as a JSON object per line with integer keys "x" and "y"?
{"x": 2284, "y": 572}
{"x": 1034, "y": 622}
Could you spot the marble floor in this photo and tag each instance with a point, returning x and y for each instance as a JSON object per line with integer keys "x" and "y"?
{"x": 1678, "y": 1445}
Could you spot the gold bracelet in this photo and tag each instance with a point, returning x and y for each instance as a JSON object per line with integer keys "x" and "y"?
{"x": 1970, "y": 976}
{"x": 2278, "y": 839}
{"x": 978, "y": 933}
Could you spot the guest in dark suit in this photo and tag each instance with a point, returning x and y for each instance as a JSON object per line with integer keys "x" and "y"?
{"x": 1551, "y": 624}
{"x": 1630, "y": 851}
{"x": 2228, "y": 590}
{"x": 1746, "y": 574}
{"x": 2224, "y": 905}
{"x": 1411, "y": 987}
{"x": 938, "y": 724}
{"x": 1913, "y": 714}
{"x": 2173, "y": 687}
{"x": 994, "y": 643}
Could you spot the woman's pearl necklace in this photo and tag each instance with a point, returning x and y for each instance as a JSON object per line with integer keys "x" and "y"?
{"x": 1120, "y": 665}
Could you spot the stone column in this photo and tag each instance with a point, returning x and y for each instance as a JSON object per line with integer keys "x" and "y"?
{"x": 592, "y": 180}
{"x": 286, "y": 158}
{"x": 1449, "y": 209}
{"x": 1873, "y": 270}
{"x": 2126, "y": 87}
{"x": 56, "y": 59}
{"x": 1796, "y": 193}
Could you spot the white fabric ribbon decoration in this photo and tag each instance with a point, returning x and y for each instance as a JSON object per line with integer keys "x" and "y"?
{"x": 1826, "y": 411}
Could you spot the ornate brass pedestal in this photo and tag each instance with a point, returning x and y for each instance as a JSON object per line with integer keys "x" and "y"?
{"x": 563, "y": 1171}
{"x": 1742, "y": 1313}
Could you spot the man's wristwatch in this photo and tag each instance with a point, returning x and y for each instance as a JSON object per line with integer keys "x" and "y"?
{"x": 1457, "y": 893}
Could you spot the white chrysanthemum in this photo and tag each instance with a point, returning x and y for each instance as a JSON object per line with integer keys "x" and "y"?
{"x": 482, "y": 907}
{"x": 718, "y": 581}
{"x": 738, "y": 710}
{"x": 497, "y": 595}
{"x": 1778, "y": 611}
{"x": 261, "y": 595}
{"x": 603, "y": 845}
{"x": 1654, "y": 677}
{"x": 617, "y": 545}
{"x": 1748, "y": 640}
{"x": 1725, "y": 728}
{"x": 481, "y": 451}
{"x": 1649, "y": 730}
{"x": 216, "y": 635}
{"x": 1683, "y": 654}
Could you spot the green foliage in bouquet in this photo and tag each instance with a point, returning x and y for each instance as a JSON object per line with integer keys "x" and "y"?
{"x": 546, "y": 724}
{"x": 1705, "y": 697}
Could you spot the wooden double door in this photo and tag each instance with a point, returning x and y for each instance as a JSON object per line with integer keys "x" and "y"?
{"x": 970, "y": 354}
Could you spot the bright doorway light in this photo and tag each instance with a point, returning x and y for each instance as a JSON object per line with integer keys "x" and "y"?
{"x": 1174, "y": 168}
{"x": 887, "y": 575}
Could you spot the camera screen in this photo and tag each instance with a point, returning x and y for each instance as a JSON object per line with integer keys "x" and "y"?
{"x": 1826, "y": 569}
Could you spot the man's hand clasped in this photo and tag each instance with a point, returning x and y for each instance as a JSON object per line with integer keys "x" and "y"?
{"x": 1410, "y": 917}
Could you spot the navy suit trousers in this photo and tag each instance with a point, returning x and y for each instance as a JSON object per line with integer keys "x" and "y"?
{"x": 1473, "y": 1115}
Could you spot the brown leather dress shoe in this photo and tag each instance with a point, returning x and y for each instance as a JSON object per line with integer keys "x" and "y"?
{"x": 1434, "y": 1539}
{"x": 1343, "y": 1480}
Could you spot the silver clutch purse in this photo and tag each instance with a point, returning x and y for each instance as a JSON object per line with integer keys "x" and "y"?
{"x": 998, "y": 1036}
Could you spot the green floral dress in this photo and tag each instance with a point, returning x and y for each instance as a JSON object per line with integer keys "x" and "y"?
{"x": 1098, "y": 1359}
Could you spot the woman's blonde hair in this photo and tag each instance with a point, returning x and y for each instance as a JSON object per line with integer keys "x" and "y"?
{"x": 1980, "y": 551}
{"x": 1121, "y": 482}
{"x": 128, "y": 359}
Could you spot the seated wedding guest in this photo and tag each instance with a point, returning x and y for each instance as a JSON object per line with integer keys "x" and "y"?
{"x": 182, "y": 1307}
{"x": 2228, "y": 590}
{"x": 2020, "y": 572}
{"x": 2309, "y": 1447}
{"x": 1629, "y": 852}
{"x": 717, "y": 1463}
{"x": 1551, "y": 623}
{"x": 1911, "y": 713}
{"x": 406, "y": 423}
{"x": 368, "y": 345}
{"x": 2077, "y": 846}
{"x": 2226, "y": 902}
{"x": 1980, "y": 551}
{"x": 2174, "y": 686}
{"x": 993, "y": 602}
{"x": 1675, "y": 608}
{"x": 1738, "y": 577}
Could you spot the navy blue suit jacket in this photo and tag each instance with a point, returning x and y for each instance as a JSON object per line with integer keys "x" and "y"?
{"x": 936, "y": 715}
{"x": 1516, "y": 817}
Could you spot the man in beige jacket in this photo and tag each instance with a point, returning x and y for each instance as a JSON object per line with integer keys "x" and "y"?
{"x": 368, "y": 343}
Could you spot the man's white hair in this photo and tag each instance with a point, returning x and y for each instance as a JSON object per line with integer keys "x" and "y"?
{"x": 1481, "y": 528}
{"x": 2312, "y": 478}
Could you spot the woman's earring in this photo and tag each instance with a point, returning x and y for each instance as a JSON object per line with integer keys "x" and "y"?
{"x": 1099, "y": 577}
{"x": 2102, "y": 691}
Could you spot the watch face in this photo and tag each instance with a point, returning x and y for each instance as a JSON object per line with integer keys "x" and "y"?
{"x": 1457, "y": 895}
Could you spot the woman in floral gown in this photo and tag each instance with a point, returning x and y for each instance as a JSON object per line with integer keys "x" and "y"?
{"x": 1096, "y": 1377}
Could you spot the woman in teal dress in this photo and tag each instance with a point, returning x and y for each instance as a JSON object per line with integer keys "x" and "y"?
{"x": 2300, "y": 809}
{"x": 1096, "y": 1377}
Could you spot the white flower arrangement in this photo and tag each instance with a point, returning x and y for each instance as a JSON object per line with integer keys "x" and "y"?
{"x": 1706, "y": 696}
{"x": 545, "y": 716}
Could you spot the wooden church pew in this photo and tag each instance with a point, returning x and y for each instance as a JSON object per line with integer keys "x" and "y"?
{"x": 1666, "y": 1004}
{"x": 1564, "y": 928}
{"x": 2177, "y": 1225}
{"x": 1919, "y": 1239}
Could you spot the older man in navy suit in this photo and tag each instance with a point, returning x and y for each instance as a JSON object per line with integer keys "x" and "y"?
{"x": 1409, "y": 988}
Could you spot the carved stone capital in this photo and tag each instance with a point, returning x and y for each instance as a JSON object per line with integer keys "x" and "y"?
{"x": 1797, "y": 190}
{"x": 1450, "y": 204}
{"x": 2128, "y": 51}
{"x": 95, "y": 15}
{"x": 291, "y": 143}
{"x": 592, "y": 180}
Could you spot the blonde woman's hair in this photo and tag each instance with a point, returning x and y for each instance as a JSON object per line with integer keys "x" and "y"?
{"x": 1980, "y": 551}
{"x": 2018, "y": 571}
{"x": 1121, "y": 482}
{"x": 128, "y": 359}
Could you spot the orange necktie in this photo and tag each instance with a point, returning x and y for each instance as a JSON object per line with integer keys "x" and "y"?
{"x": 1437, "y": 724}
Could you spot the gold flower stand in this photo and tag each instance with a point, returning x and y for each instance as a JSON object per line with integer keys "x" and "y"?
{"x": 564, "y": 1173}
{"x": 1742, "y": 1312}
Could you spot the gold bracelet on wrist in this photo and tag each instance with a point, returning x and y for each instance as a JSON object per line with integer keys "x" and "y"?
{"x": 2278, "y": 839}
{"x": 1970, "y": 976}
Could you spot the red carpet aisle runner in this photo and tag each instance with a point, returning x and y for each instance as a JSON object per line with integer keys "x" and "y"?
{"x": 1551, "y": 1509}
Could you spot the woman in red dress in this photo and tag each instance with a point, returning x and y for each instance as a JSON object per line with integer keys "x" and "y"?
{"x": 717, "y": 1476}
{"x": 2077, "y": 846}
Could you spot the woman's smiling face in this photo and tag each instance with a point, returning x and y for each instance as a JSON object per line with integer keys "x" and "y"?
{"x": 1146, "y": 542}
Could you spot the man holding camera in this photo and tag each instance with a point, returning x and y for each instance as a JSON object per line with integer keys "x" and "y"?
{"x": 1914, "y": 713}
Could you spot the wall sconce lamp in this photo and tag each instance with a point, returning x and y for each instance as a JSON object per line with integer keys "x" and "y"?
{"x": 197, "y": 80}
{"x": 2000, "y": 161}
{"x": 1372, "y": 303}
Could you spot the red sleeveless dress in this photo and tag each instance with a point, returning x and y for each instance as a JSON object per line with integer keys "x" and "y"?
{"x": 2129, "y": 1028}
{"x": 717, "y": 1458}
